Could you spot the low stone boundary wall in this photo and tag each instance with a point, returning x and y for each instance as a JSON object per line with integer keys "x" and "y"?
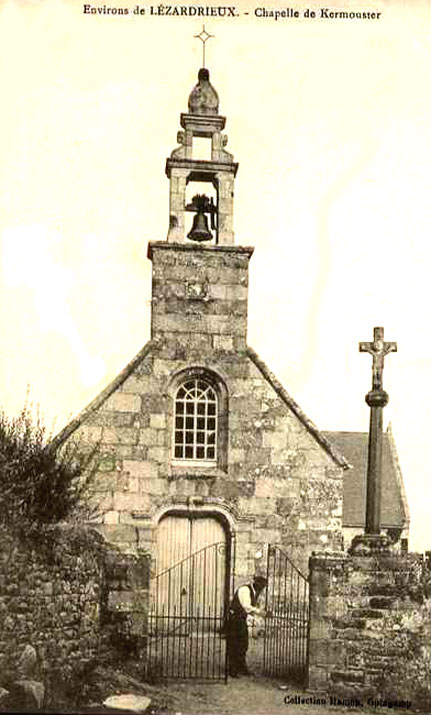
{"x": 370, "y": 627}
{"x": 60, "y": 599}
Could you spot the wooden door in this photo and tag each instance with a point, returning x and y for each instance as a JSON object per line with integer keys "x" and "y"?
{"x": 191, "y": 565}
{"x": 208, "y": 544}
{"x": 186, "y": 619}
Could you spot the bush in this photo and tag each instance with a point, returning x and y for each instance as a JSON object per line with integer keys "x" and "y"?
{"x": 408, "y": 677}
{"x": 38, "y": 484}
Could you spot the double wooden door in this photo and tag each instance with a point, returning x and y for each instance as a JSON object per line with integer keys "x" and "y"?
{"x": 185, "y": 622}
{"x": 191, "y": 565}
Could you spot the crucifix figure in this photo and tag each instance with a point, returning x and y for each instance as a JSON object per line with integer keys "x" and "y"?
{"x": 378, "y": 349}
{"x": 376, "y": 399}
{"x": 203, "y": 36}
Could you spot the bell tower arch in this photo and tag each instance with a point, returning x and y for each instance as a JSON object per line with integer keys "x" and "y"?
{"x": 213, "y": 215}
{"x": 200, "y": 278}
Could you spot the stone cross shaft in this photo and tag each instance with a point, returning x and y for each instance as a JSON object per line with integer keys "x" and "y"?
{"x": 376, "y": 399}
{"x": 378, "y": 349}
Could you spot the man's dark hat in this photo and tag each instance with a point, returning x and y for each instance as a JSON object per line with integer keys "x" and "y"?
{"x": 260, "y": 581}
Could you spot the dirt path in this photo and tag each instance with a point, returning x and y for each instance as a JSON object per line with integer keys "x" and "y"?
{"x": 251, "y": 696}
{"x": 256, "y": 695}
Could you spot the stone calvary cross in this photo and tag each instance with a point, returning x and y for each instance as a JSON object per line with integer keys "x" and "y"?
{"x": 377, "y": 398}
{"x": 378, "y": 349}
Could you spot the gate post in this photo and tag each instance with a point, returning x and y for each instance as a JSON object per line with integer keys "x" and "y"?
{"x": 127, "y": 602}
{"x": 326, "y": 601}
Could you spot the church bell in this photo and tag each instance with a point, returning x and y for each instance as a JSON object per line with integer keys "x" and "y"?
{"x": 200, "y": 230}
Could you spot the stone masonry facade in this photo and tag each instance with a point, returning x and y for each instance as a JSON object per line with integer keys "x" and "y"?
{"x": 276, "y": 479}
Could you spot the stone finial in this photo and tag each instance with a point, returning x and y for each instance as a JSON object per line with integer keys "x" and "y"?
{"x": 203, "y": 98}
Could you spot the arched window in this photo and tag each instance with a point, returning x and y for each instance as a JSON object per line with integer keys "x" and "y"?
{"x": 195, "y": 421}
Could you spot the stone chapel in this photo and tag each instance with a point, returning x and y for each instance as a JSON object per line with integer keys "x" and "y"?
{"x": 199, "y": 442}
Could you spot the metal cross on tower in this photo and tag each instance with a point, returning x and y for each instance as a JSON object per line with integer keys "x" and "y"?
{"x": 203, "y": 36}
{"x": 377, "y": 398}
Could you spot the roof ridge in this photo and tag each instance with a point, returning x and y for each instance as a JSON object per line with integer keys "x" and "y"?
{"x": 345, "y": 431}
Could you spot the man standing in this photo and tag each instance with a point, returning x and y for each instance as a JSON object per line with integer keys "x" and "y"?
{"x": 243, "y": 604}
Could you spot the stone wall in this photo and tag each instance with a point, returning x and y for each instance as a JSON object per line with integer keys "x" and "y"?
{"x": 60, "y": 598}
{"x": 370, "y": 627}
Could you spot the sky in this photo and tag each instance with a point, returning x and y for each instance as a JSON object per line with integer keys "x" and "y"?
{"x": 329, "y": 120}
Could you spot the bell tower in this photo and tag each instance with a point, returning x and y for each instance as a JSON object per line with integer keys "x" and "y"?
{"x": 200, "y": 278}
{"x": 213, "y": 215}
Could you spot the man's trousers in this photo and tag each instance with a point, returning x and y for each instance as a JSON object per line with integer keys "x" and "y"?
{"x": 237, "y": 644}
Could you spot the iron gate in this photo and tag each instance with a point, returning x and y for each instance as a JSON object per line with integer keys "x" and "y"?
{"x": 185, "y": 636}
{"x": 285, "y": 652}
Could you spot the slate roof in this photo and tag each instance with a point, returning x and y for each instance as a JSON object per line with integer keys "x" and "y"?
{"x": 354, "y": 447}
